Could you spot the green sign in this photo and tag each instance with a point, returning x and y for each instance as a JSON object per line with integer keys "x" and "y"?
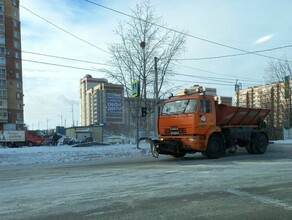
{"x": 287, "y": 86}
{"x": 135, "y": 89}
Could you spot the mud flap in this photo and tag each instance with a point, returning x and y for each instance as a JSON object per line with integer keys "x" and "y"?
{"x": 153, "y": 147}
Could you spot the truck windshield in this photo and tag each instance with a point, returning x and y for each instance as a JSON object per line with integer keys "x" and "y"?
{"x": 180, "y": 107}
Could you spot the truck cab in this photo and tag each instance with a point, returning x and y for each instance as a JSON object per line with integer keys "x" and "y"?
{"x": 188, "y": 118}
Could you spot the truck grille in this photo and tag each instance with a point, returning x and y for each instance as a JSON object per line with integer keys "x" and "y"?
{"x": 175, "y": 131}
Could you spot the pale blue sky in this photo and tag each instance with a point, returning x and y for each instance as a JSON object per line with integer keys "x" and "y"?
{"x": 236, "y": 23}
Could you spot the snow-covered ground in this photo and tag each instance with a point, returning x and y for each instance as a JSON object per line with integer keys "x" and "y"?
{"x": 66, "y": 153}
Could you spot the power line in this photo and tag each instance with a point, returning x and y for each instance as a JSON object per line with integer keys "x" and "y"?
{"x": 59, "y": 65}
{"x": 66, "y": 58}
{"x": 234, "y": 55}
{"x": 204, "y": 82}
{"x": 97, "y": 63}
{"x": 212, "y": 78}
{"x": 186, "y": 34}
{"x": 90, "y": 62}
{"x": 222, "y": 74}
{"x": 62, "y": 29}
{"x": 94, "y": 70}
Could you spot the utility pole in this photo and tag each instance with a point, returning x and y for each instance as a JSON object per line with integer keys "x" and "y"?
{"x": 288, "y": 101}
{"x": 238, "y": 87}
{"x": 48, "y": 124}
{"x": 72, "y": 116}
{"x": 156, "y": 94}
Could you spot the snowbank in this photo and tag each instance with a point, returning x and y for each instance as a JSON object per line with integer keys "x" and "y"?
{"x": 287, "y": 141}
{"x": 65, "y": 153}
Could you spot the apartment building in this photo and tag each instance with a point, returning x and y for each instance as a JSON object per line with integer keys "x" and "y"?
{"x": 101, "y": 103}
{"x": 11, "y": 89}
{"x": 269, "y": 96}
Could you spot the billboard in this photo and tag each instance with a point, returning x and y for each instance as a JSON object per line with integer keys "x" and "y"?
{"x": 114, "y": 105}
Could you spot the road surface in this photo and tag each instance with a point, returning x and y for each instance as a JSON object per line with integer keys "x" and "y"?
{"x": 236, "y": 186}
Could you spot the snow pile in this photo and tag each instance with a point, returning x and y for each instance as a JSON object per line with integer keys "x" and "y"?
{"x": 287, "y": 141}
{"x": 65, "y": 153}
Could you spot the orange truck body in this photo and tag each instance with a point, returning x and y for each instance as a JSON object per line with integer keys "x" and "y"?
{"x": 207, "y": 126}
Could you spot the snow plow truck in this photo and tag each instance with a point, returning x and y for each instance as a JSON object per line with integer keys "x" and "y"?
{"x": 193, "y": 121}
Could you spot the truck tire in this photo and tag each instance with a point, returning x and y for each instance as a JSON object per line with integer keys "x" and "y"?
{"x": 29, "y": 144}
{"x": 261, "y": 143}
{"x": 249, "y": 148}
{"x": 215, "y": 147}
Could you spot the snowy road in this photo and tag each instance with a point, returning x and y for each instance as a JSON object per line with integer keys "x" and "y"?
{"x": 137, "y": 186}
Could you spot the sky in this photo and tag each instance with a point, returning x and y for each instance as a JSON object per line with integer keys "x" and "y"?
{"x": 83, "y": 31}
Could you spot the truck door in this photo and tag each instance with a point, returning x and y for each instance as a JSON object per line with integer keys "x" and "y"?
{"x": 206, "y": 114}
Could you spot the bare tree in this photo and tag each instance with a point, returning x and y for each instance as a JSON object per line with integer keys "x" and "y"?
{"x": 277, "y": 70}
{"x": 275, "y": 74}
{"x": 142, "y": 38}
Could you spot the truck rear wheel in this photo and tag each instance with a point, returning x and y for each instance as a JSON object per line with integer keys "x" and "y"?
{"x": 215, "y": 147}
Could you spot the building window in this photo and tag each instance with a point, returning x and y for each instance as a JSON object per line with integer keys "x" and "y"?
{"x": 16, "y": 34}
{"x": 3, "y": 114}
{"x": 15, "y": 3}
{"x": 2, "y": 61}
{"x": 3, "y": 82}
{"x": 3, "y": 103}
{"x": 3, "y": 93}
{"x": 2, "y": 50}
{"x": 17, "y": 75}
{"x": 19, "y": 106}
{"x": 15, "y": 23}
{"x": 18, "y": 85}
{"x": 18, "y": 95}
{"x": 1, "y": 8}
{"x": 17, "y": 65}
{"x": 15, "y": 14}
{"x": 16, "y": 44}
{"x": 17, "y": 55}
{"x": 19, "y": 116}
{"x": 1, "y": 18}
{"x": 2, "y": 39}
{"x": 2, "y": 28}
{"x": 3, "y": 72}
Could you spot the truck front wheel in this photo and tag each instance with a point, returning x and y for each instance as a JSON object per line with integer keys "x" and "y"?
{"x": 215, "y": 147}
{"x": 261, "y": 143}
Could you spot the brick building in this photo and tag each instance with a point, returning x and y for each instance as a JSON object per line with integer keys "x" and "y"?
{"x": 269, "y": 96}
{"x": 11, "y": 88}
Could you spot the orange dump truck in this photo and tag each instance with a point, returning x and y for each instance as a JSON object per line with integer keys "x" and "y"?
{"x": 193, "y": 121}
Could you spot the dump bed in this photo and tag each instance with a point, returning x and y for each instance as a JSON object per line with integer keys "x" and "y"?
{"x": 233, "y": 116}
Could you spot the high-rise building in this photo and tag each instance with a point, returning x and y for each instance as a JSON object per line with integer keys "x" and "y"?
{"x": 11, "y": 88}
{"x": 101, "y": 103}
